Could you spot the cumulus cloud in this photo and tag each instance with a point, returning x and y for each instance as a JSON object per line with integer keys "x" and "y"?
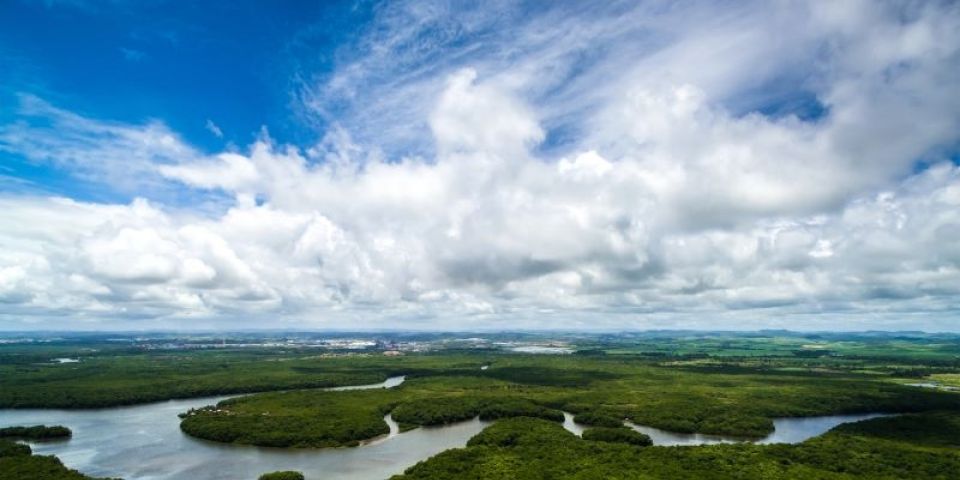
{"x": 618, "y": 168}
{"x": 882, "y": 255}
{"x": 477, "y": 118}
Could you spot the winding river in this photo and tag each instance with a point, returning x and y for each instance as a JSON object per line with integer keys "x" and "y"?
{"x": 144, "y": 442}
{"x": 786, "y": 430}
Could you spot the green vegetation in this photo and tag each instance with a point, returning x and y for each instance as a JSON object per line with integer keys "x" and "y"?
{"x": 38, "y": 432}
{"x": 442, "y": 410}
{"x": 287, "y": 475}
{"x": 291, "y": 419}
{"x": 13, "y": 449}
{"x": 617, "y": 435}
{"x": 113, "y": 380}
{"x": 115, "y": 371}
{"x": 330, "y": 419}
{"x": 17, "y": 463}
{"x": 935, "y": 429}
{"x": 37, "y": 467}
{"x": 707, "y": 383}
{"x": 597, "y": 419}
{"x": 525, "y": 448}
{"x": 894, "y": 349}
{"x": 600, "y": 390}
{"x": 947, "y": 379}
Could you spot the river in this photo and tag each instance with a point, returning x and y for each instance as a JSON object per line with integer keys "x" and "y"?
{"x": 144, "y": 442}
{"x": 786, "y": 430}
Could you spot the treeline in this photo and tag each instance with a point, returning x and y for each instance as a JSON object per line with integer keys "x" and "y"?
{"x": 338, "y": 430}
{"x": 936, "y": 429}
{"x": 38, "y": 432}
{"x": 130, "y": 391}
{"x": 745, "y": 411}
{"x": 298, "y": 419}
{"x": 336, "y": 419}
{"x": 114, "y": 380}
{"x": 740, "y": 404}
{"x": 443, "y": 410}
{"x": 617, "y": 435}
{"x": 598, "y": 419}
{"x": 549, "y": 375}
{"x": 13, "y": 449}
{"x": 285, "y": 475}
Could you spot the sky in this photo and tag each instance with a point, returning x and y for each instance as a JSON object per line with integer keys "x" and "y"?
{"x": 444, "y": 165}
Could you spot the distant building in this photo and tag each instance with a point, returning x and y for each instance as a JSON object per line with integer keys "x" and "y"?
{"x": 392, "y": 353}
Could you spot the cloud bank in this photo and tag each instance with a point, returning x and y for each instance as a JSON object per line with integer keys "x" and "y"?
{"x": 661, "y": 165}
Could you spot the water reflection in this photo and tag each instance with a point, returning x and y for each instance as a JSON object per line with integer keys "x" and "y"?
{"x": 388, "y": 383}
{"x": 571, "y": 426}
{"x": 796, "y": 430}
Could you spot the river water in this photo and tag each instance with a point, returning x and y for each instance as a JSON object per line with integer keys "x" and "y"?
{"x": 144, "y": 442}
{"x": 786, "y": 430}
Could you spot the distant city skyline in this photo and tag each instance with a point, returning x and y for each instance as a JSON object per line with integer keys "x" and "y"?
{"x": 429, "y": 165}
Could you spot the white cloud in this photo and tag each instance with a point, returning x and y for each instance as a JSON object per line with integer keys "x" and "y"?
{"x": 601, "y": 169}
{"x": 132, "y": 55}
{"x": 213, "y": 128}
{"x": 122, "y": 156}
{"x": 477, "y": 118}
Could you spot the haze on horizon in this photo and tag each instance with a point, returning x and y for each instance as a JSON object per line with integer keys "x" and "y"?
{"x": 442, "y": 165}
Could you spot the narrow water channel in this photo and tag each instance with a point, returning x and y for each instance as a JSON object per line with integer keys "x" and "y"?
{"x": 786, "y": 430}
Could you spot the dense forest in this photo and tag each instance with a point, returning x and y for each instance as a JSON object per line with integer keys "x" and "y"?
{"x": 37, "y": 432}
{"x": 921, "y": 446}
{"x": 619, "y": 434}
{"x": 285, "y": 475}
{"x": 723, "y": 386}
{"x": 131, "y": 379}
{"x": 601, "y": 391}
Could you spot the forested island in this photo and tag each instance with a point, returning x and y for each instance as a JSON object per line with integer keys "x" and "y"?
{"x": 285, "y": 475}
{"x": 36, "y": 432}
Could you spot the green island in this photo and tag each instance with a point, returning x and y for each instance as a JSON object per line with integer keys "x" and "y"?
{"x": 284, "y": 475}
{"x": 36, "y": 432}
{"x": 619, "y": 434}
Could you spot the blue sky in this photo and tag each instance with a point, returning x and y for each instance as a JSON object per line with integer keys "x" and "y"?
{"x": 234, "y": 63}
{"x": 430, "y": 164}
{"x": 234, "y": 66}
